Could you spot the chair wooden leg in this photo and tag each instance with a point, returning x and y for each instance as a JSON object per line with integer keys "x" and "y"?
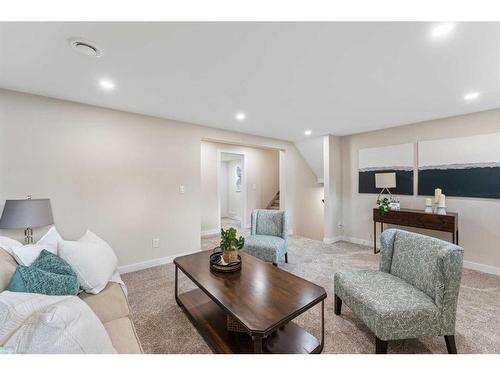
{"x": 286, "y": 257}
{"x": 338, "y": 305}
{"x": 380, "y": 346}
{"x": 450, "y": 344}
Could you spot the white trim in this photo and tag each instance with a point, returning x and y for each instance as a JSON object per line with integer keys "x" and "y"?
{"x": 210, "y": 232}
{"x": 330, "y": 240}
{"x": 482, "y": 267}
{"x": 218, "y": 176}
{"x": 359, "y": 241}
{"x": 150, "y": 263}
{"x": 234, "y": 217}
{"x": 243, "y": 220}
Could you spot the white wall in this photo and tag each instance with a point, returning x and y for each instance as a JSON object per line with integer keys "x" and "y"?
{"x": 478, "y": 218}
{"x": 311, "y": 150}
{"x": 332, "y": 157}
{"x": 118, "y": 174}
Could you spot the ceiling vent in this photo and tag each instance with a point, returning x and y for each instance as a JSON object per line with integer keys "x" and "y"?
{"x": 85, "y": 47}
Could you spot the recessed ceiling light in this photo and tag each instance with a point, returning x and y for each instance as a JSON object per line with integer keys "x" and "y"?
{"x": 471, "y": 96}
{"x": 85, "y": 47}
{"x": 240, "y": 116}
{"x": 106, "y": 84}
{"x": 308, "y": 132}
{"x": 442, "y": 30}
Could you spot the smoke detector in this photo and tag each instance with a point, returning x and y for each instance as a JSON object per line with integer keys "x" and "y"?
{"x": 85, "y": 47}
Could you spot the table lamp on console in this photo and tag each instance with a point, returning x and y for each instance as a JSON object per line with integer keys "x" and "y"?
{"x": 26, "y": 214}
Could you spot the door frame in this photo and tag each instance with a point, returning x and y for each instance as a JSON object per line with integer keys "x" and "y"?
{"x": 243, "y": 187}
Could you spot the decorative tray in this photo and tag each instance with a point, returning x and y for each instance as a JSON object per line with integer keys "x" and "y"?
{"x": 217, "y": 263}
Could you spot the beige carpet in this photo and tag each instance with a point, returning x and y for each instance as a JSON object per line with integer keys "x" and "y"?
{"x": 163, "y": 328}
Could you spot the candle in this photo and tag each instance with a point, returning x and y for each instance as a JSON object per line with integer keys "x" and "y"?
{"x": 428, "y": 202}
{"x": 437, "y": 193}
{"x": 442, "y": 201}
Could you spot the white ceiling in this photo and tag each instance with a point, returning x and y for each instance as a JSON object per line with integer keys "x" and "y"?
{"x": 337, "y": 78}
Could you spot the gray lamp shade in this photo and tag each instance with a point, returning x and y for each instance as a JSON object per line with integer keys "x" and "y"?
{"x": 26, "y": 213}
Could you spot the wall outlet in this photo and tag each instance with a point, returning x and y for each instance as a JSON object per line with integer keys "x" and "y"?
{"x": 339, "y": 225}
{"x": 182, "y": 189}
{"x": 156, "y": 242}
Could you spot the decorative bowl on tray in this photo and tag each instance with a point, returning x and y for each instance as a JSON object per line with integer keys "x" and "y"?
{"x": 218, "y": 264}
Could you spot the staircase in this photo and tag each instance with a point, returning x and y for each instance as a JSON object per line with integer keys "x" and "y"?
{"x": 275, "y": 202}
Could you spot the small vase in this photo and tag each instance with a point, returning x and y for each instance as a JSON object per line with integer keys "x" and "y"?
{"x": 230, "y": 256}
{"x": 441, "y": 210}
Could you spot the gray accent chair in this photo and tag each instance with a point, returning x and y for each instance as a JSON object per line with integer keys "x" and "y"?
{"x": 414, "y": 293}
{"x": 269, "y": 236}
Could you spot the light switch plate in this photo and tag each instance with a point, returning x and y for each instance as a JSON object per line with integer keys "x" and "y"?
{"x": 156, "y": 242}
{"x": 182, "y": 189}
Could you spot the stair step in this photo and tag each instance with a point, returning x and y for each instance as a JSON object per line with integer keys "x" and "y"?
{"x": 275, "y": 203}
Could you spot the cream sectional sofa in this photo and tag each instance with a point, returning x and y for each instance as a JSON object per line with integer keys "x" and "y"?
{"x": 110, "y": 306}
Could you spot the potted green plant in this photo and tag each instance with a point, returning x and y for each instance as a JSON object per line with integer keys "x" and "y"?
{"x": 230, "y": 245}
{"x": 383, "y": 205}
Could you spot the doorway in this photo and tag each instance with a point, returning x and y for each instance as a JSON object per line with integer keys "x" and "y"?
{"x": 231, "y": 183}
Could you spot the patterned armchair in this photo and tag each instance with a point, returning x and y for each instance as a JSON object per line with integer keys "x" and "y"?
{"x": 413, "y": 294}
{"x": 269, "y": 236}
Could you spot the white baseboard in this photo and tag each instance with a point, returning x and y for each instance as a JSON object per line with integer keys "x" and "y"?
{"x": 482, "y": 267}
{"x": 467, "y": 264}
{"x": 210, "y": 232}
{"x": 359, "y": 241}
{"x": 330, "y": 240}
{"x": 233, "y": 216}
{"x": 150, "y": 263}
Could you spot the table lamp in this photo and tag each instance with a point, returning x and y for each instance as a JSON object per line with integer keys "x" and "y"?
{"x": 385, "y": 181}
{"x": 26, "y": 214}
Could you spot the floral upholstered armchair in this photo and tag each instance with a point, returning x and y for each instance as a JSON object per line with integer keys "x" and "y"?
{"x": 414, "y": 293}
{"x": 269, "y": 236}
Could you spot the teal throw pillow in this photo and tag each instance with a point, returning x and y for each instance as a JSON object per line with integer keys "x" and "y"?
{"x": 48, "y": 274}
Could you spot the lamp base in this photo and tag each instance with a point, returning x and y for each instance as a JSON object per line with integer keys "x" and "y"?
{"x": 382, "y": 192}
{"x": 28, "y": 236}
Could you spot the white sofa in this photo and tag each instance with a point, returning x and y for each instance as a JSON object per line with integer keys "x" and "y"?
{"x": 110, "y": 306}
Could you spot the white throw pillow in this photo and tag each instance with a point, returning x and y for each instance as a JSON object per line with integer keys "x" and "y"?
{"x": 37, "y": 324}
{"x": 93, "y": 260}
{"x": 25, "y": 255}
{"x": 9, "y": 244}
{"x": 51, "y": 237}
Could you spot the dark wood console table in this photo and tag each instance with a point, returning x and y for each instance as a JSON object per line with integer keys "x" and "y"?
{"x": 416, "y": 219}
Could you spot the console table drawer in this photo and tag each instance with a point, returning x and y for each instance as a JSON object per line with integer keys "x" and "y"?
{"x": 391, "y": 217}
{"x": 436, "y": 222}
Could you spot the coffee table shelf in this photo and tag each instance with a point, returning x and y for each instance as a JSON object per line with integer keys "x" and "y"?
{"x": 210, "y": 321}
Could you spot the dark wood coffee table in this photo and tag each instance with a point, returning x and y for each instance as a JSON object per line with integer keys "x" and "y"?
{"x": 262, "y": 298}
